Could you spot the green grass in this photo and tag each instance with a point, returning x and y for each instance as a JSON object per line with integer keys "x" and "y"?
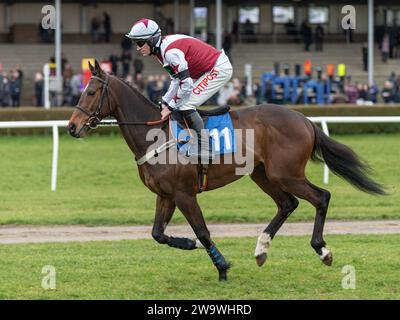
{"x": 130, "y": 270}
{"x": 98, "y": 184}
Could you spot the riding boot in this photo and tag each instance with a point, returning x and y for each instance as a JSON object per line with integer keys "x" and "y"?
{"x": 196, "y": 123}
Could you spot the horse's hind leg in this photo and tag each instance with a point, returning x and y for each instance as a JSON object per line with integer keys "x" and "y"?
{"x": 191, "y": 210}
{"x": 319, "y": 198}
{"x": 286, "y": 204}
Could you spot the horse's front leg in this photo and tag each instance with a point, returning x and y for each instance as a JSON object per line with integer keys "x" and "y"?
{"x": 164, "y": 210}
{"x": 192, "y": 212}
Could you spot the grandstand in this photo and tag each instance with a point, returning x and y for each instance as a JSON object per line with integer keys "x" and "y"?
{"x": 262, "y": 57}
{"x": 19, "y": 40}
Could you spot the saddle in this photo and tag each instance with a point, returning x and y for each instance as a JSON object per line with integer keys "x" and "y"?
{"x": 214, "y": 112}
{"x": 205, "y": 114}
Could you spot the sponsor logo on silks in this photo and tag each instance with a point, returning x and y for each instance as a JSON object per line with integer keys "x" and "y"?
{"x": 204, "y": 83}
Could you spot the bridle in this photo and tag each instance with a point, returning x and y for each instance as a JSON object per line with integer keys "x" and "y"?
{"x": 94, "y": 121}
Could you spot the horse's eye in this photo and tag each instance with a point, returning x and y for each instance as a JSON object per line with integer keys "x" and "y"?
{"x": 91, "y": 93}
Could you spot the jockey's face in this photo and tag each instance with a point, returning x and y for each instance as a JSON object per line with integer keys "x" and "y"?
{"x": 144, "y": 50}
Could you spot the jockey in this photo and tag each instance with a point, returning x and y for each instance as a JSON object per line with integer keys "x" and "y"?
{"x": 197, "y": 72}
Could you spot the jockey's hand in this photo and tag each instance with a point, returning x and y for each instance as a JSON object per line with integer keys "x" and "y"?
{"x": 165, "y": 112}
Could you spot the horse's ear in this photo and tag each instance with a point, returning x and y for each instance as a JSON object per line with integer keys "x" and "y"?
{"x": 91, "y": 68}
{"x": 97, "y": 67}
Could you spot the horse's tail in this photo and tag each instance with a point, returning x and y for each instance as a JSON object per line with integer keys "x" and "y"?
{"x": 344, "y": 162}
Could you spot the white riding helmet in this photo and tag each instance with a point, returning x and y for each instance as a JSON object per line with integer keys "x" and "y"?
{"x": 145, "y": 29}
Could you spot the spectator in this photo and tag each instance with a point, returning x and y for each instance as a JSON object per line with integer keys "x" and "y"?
{"x": 138, "y": 66}
{"x": 159, "y": 87}
{"x": 126, "y": 44}
{"x": 248, "y": 30}
{"x": 362, "y": 91}
{"x": 2, "y": 85}
{"x": 235, "y": 29}
{"x": 397, "y": 90}
{"x": 307, "y": 35}
{"x": 126, "y": 59}
{"x": 139, "y": 82}
{"x": 392, "y": 39}
{"x": 107, "y": 27}
{"x": 373, "y": 92}
{"x": 45, "y": 35}
{"x": 5, "y": 90}
{"x": 39, "y": 86}
{"x": 319, "y": 37}
{"x": 95, "y": 29}
{"x": 225, "y": 93}
{"x": 350, "y": 91}
{"x": 398, "y": 84}
{"x": 165, "y": 82}
{"x": 76, "y": 84}
{"x": 67, "y": 93}
{"x": 151, "y": 88}
{"x": 291, "y": 29}
{"x": 129, "y": 79}
{"x": 248, "y": 27}
{"x": 393, "y": 81}
{"x": 365, "y": 56}
{"x": 348, "y": 33}
{"x": 68, "y": 72}
{"x": 64, "y": 61}
{"x": 396, "y": 53}
{"x": 385, "y": 47}
{"x": 388, "y": 93}
{"x": 170, "y": 25}
{"x": 15, "y": 89}
{"x": 114, "y": 63}
{"x": 227, "y": 45}
{"x": 257, "y": 92}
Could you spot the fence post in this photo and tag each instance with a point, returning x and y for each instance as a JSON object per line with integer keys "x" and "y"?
{"x": 46, "y": 89}
{"x": 55, "y": 158}
{"x": 326, "y": 169}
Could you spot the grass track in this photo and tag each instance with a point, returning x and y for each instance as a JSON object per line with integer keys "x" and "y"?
{"x": 98, "y": 184}
{"x": 129, "y": 270}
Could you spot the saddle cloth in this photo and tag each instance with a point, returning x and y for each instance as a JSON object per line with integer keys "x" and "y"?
{"x": 220, "y": 130}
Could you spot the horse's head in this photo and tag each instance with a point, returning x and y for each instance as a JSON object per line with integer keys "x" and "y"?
{"x": 94, "y": 104}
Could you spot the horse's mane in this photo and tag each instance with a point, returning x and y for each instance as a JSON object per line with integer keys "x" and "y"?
{"x": 140, "y": 96}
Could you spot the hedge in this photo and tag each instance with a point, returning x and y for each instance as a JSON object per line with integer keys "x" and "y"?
{"x": 64, "y": 113}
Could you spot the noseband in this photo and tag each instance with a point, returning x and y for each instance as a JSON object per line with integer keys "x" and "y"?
{"x": 94, "y": 121}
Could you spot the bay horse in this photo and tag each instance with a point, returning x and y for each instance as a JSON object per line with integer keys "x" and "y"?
{"x": 284, "y": 141}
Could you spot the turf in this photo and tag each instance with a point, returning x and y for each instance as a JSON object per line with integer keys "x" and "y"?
{"x": 130, "y": 270}
{"x": 98, "y": 184}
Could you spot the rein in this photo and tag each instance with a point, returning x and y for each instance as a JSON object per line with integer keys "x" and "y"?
{"x": 94, "y": 122}
{"x": 137, "y": 123}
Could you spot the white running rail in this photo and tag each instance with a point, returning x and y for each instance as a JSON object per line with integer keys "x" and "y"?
{"x": 64, "y": 123}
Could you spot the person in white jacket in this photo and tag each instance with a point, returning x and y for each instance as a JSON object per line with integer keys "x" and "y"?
{"x": 197, "y": 71}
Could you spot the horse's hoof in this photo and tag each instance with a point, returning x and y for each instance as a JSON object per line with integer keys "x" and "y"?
{"x": 327, "y": 260}
{"x": 223, "y": 276}
{"x": 260, "y": 259}
{"x": 223, "y": 271}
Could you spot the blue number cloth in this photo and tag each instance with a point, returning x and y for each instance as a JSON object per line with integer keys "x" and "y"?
{"x": 220, "y": 129}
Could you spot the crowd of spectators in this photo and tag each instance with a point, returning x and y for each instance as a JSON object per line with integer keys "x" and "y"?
{"x": 342, "y": 91}
{"x": 10, "y": 86}
{"x": 156, "y": 85}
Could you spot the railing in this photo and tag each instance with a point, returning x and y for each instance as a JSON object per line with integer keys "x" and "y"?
{"x": 324, "y": 123}
{"x": 63, "y": 123}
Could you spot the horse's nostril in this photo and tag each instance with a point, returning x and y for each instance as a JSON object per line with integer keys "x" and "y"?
{"x": 71, "y": 128}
